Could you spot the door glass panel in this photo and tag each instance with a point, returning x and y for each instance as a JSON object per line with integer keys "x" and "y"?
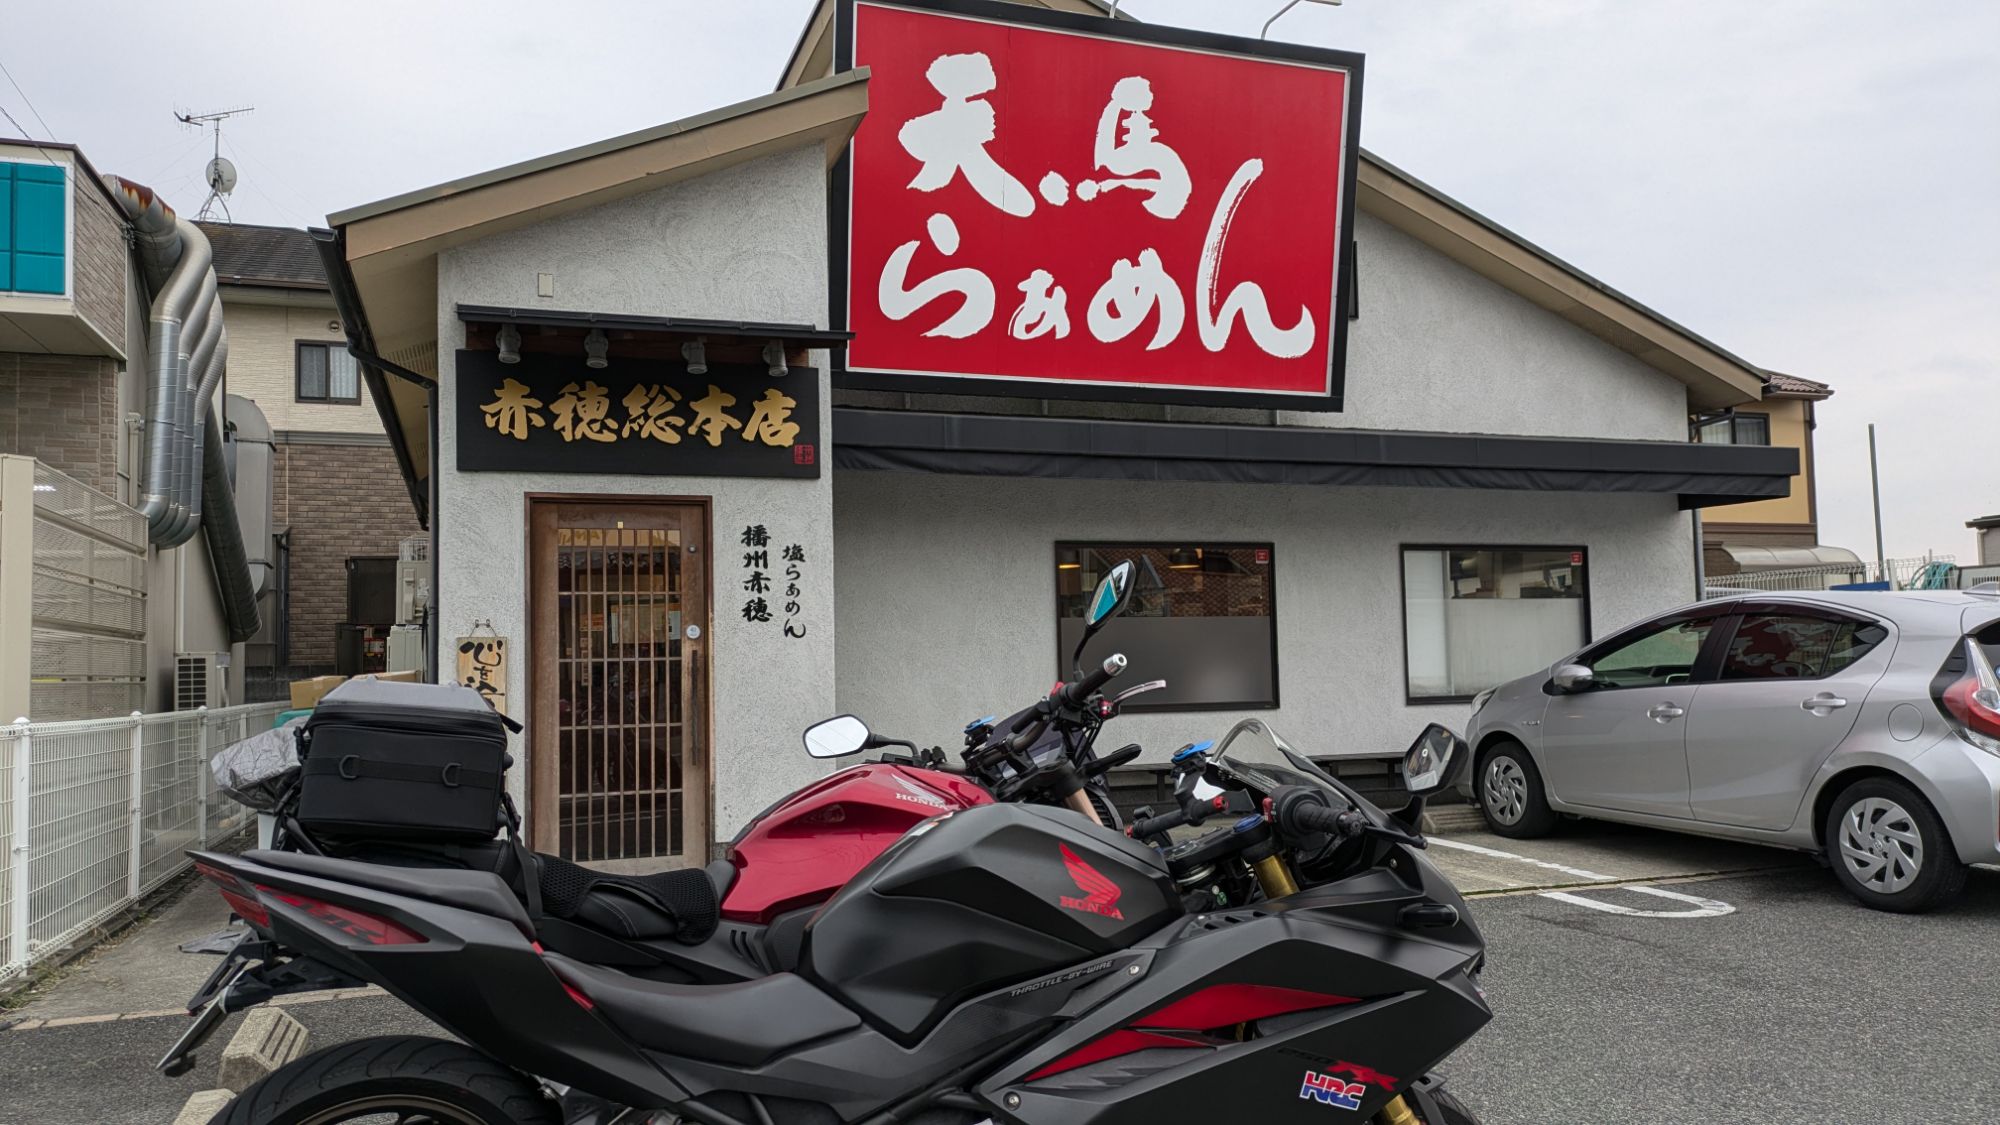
{"x": 618, "y": 678}
{"x": 1770, "y": 646}
{"x": 1663, "y": 656}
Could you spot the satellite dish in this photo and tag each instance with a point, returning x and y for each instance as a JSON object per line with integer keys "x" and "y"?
{"x": 221, "y": 176}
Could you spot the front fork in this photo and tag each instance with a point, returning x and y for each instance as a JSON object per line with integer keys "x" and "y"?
{"x": 1275, "y": 876}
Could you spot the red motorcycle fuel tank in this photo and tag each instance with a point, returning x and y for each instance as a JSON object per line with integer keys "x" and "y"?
{"x": 806, "y": 847}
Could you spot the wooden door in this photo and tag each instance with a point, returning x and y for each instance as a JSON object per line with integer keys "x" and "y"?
{"x": 619, "y": 748}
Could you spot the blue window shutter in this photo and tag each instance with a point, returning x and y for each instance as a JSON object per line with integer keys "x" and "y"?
{"x": 40, "y": 236}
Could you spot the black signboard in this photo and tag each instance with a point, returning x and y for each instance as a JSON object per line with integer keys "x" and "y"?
{"x": 553, "y": 414}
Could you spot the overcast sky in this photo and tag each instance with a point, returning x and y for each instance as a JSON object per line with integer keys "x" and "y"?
{"x": 1812, "y": 184}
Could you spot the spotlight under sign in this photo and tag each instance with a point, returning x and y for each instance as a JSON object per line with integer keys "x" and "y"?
{"x": 1059, "y": 205}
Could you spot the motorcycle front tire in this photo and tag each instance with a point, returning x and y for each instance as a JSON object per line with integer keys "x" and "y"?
{"x": 434, "y": 1080}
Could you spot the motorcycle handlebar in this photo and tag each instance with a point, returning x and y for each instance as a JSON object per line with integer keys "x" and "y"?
{"x": 1076, "y": 691}
{"x": 1154, "y": 825}
{"x": 1304, "y": 815}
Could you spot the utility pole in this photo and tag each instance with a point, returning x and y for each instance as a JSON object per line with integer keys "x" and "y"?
{"x": 1875, "y": 486}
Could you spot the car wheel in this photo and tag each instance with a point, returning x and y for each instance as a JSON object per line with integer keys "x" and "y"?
{"x": 1511, "y": 795}
{"x": 1889, "y": 849}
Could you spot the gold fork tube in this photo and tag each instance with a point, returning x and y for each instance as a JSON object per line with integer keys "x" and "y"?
{"x": 1275, "y": 877}
{"x": 1397, "y": 1112}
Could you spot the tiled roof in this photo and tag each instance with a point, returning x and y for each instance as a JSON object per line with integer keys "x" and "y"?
{"x": 282, "y": 257}
{"x": 1781, "y": 383}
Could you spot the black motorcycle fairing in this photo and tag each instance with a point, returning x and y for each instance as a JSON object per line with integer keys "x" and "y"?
{"x": 477, "y": 891}
{"x": 1389, "y": 1010}
{"x": 476, "y": 975}
{"x": 977, "y": 900}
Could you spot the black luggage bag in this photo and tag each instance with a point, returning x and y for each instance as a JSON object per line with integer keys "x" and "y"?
{"x": 386, "y": 760}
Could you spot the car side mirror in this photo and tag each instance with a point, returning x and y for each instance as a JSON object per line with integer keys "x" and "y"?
{"x": 1572, "y": 678}
{"x": 1430, "y": 761}
{"x": 837, "y": 737}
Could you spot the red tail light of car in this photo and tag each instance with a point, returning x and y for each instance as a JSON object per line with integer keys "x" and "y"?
{"x": 1972, "y": 702}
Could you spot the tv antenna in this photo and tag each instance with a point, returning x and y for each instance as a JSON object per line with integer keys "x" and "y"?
{"x": 221, "y": 172}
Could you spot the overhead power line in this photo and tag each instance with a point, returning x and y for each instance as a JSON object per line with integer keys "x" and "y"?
{"x": 27, "y": 101}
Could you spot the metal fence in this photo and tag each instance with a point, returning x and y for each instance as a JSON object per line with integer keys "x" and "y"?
{"x": 1901, "y": 574}
{"x": 95, "y": 814}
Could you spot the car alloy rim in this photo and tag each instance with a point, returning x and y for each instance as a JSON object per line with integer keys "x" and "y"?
{"x": 1506, "y": 790}
{"x": 1881, "y": 845}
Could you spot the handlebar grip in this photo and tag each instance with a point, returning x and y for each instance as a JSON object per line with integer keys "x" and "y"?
{"x": 1075, "y": 692}
{"x": 1314, "y": 817}
{"x": 1154, "y": 825}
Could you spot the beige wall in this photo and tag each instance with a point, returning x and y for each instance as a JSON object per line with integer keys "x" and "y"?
{"x": 263, "y": 360}
{"x": 1788, "y": 428}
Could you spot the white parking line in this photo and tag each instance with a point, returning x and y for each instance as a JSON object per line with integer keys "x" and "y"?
{"x": 1702, "y": 907}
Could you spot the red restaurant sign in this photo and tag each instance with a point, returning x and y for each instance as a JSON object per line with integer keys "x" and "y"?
{"x": 1058, "y": 205}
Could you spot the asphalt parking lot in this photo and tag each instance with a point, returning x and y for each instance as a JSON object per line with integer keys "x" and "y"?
{"x": 1668, "y": 979}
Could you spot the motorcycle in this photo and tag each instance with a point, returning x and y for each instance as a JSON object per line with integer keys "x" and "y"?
{"x": 1000, "y": 961}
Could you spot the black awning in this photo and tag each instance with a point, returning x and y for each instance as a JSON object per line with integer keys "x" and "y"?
{"x": 1018, "y": 446}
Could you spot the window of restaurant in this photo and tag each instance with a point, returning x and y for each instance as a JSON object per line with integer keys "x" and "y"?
{"x": 1201, "y": 618}
{"x": 1476, "y": 617}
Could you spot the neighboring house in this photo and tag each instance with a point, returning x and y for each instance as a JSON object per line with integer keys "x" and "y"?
{"x": 1782, "y": 533}
{"x": 338, "y": 500}
{"x": 1988, "y": 530}
{"x": 122, "y": 587}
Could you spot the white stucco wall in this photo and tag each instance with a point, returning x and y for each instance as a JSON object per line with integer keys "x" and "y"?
{"x": 951, "y": 616}
{"x": 745, "y": 243}
{"x": 1441, "y": 349}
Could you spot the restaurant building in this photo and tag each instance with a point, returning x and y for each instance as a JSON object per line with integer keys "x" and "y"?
{"x": 839, "y": 399}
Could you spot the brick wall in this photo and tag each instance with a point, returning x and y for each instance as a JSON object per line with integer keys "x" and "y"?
{"x": 99, "y": 263}
{"x": 62, "y": 410}
{"x": 340, "y": 499}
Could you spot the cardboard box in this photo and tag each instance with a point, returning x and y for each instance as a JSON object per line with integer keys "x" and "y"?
{"x": 307, "y": 693}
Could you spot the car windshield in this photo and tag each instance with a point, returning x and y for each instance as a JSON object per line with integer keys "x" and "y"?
{"x": 1259, "y": 755}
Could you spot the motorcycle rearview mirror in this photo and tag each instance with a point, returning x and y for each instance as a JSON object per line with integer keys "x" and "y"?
{"x": 1109, "y": 600}
{"x": 837, "y": 737}
{"x": 1430, "y": 760}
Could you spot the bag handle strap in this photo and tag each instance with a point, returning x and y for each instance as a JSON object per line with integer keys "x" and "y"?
{"x": 531, "y": 869}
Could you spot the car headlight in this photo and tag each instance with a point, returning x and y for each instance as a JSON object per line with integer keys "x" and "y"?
{"x": 1479, "y": 701}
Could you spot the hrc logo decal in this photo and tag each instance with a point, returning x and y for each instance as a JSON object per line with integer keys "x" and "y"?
{"x": 1332, "y": 1091}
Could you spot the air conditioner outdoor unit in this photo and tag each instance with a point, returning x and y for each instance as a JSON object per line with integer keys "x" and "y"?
{"x": 201, "y": 679}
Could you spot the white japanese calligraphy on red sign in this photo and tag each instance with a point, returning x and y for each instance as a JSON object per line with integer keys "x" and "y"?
{"x": 1184, "y": 228}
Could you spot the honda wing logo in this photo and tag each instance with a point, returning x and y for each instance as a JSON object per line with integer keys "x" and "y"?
{"x": 916, "y": 794}
{"x": 1100, "y": 894}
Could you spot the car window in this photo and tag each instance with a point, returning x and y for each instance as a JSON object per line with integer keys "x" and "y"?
{"x": 1662, "y": 656}
{"x": 1780, "y": 646}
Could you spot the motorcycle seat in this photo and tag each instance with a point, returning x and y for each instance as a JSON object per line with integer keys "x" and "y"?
{"x": 745, "y": 1024}
{"x": 684, "y": 905}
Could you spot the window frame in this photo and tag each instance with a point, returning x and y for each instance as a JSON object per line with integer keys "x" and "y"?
{"x": 299, "y": 347}
{"x": 1735, "y": 416}
{"x": 1768, "y": 608}
{"x": 1138, "y": 705}
{"x": 69, "y": 185}
{"x": 1403, "y": 587}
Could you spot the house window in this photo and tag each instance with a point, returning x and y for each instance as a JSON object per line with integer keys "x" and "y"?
{"x": 34, "y": 229}
{"x": 1737, "y": 429}
{"x": 1201, "y": 618}
{"x": 1476, "y": 617}
{"x": 327, "y": 373}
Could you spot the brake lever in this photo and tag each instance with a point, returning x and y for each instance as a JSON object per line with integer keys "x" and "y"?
{"x": 1138, "y": 689}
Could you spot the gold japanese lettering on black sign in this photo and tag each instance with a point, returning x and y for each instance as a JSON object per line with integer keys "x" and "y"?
{"x": 637, "y": 417}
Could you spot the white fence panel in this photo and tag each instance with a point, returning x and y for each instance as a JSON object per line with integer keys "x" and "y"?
{"x": 112, "y": 806}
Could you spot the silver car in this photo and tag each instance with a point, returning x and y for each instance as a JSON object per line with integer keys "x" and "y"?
{"x": 1862, "y": 725}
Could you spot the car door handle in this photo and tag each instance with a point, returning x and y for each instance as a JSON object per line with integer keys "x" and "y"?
{"x": 1665, "y": 713}
{"x": 1823, "y": 703}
